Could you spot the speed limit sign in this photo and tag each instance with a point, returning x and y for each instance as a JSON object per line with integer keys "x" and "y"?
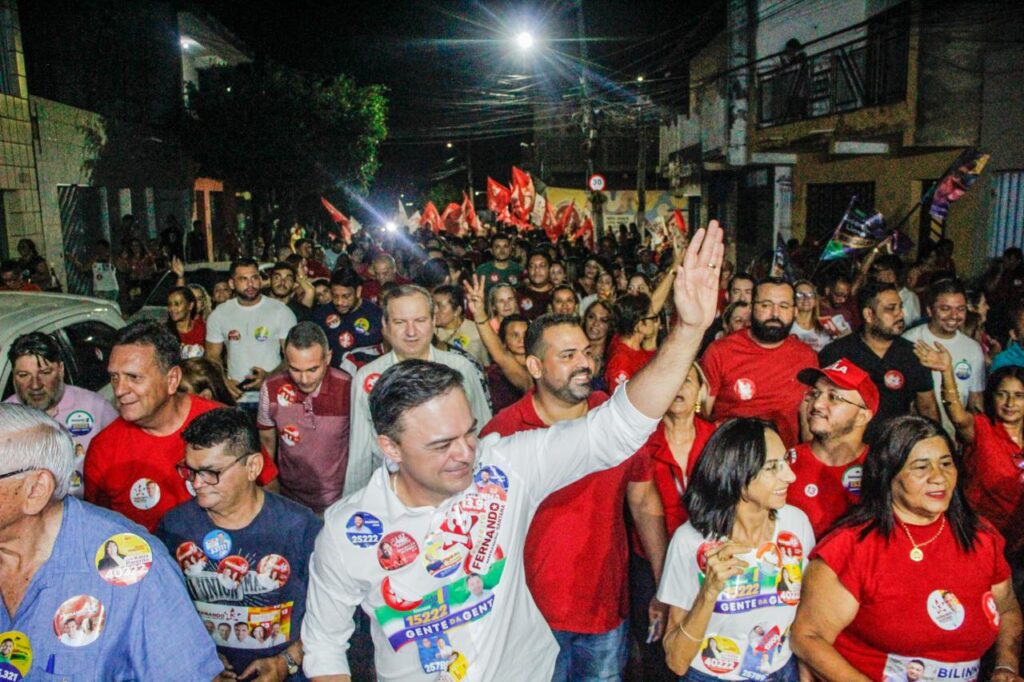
{"x": 596, "y": 182}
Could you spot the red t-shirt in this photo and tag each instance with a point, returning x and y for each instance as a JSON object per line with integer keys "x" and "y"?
{"x": 131, "y": 472}
{"x": 576, "y": 550}
{"x": 903, "y": 612}
{"x": 996, "y": 464}
{"x": 623, "y": 363}
{"x": 669, "y": 477}
{"x": 193, "y": 342}
{"x": 824, "y": 492}
{"x": 747, "y": 380}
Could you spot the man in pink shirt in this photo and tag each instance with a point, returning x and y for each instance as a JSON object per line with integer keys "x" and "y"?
{"x": 39, "y": 383}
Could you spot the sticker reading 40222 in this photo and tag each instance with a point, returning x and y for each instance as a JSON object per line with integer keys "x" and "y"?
{"x": 124, "y": 559}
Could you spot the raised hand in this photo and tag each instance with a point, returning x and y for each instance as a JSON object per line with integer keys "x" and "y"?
{"x": 178, "y": 267}
{"x": 696, "y": 285}
{"x": 475, "y": 293}
{"x": 935, "y": 358}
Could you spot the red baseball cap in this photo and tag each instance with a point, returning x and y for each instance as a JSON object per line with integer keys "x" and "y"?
{"x": 846, "y": 376}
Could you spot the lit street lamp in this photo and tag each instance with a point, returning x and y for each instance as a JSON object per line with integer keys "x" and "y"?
{"x": 524, "y": 41}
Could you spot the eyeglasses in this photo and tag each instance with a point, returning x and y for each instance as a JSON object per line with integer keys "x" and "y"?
{"x": 777, "y": 466}
{"x": 832, "y": 397}
{"x": 1006, "y": 396}
{"x": 769, "y": 305}
{"x": 207, "y": 476}
{"x": 19, "y": 471}
{"x": 804, "y": 295}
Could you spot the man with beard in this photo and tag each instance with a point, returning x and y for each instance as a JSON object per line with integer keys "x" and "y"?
{"x": 500, "y": 269}
{"x": 888, "y": 359}
{"x": 753, "y": 373}
{"x": 535, "y": 292}
{"x": 584, "y": 520}
{"x": 291, "y": 287}
{"x": 838, "y": 407}
{"x": 252, "y": 328}
{"x": 348, "y": 320}
{"x": 39, "y": 382}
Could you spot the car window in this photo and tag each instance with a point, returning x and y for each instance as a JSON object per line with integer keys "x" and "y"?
{"x": 90, "y": 344}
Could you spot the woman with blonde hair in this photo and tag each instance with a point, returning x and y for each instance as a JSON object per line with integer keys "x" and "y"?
{"x": 807, "y": 322}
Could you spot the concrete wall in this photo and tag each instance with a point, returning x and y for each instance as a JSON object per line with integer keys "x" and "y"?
{"x": 17, "y": 161}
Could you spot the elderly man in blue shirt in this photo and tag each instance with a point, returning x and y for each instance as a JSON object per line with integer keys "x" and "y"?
{"x": 86, "y": 593}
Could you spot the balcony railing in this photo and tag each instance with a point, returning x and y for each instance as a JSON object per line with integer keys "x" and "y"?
{"x": 866, "y": 72}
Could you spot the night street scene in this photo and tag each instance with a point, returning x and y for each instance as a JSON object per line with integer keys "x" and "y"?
{"x": 569, "y": 340}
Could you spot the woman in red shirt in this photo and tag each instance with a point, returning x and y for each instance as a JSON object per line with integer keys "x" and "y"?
{"x": 993, "y": 453}
{"x": 911, "y": 584}
{"x": 186, "y": 321}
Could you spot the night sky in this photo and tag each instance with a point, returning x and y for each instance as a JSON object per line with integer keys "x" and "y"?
{"x": 447, "y": 64}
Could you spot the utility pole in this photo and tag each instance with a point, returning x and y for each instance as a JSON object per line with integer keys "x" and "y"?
{"x": 641, "y": 157}
{"x": 469, "y": 168}
{"x": 587, "y": 124}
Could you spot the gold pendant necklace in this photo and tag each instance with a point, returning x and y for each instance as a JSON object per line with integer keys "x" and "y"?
{"x": 916, "y": 554}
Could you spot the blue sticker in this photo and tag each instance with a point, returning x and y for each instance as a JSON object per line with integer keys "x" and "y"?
{"x": 79, "y": 423}
{"x": 364, "y": 529}
{"x": 217, "y": 544}
{"x": 490, "y": 480}
{"x": 962, "y": 370}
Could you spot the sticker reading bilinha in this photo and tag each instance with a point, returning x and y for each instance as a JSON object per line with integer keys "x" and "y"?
{"x": 79, "y": 621}
{"x": 15, "y": 656}
{"x": 124, "y": 559}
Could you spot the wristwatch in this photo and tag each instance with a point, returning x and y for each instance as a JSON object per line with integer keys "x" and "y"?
{"x": 293, "y": 667}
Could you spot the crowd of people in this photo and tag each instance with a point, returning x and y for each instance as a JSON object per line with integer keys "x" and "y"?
{"x": 501, "y": 458}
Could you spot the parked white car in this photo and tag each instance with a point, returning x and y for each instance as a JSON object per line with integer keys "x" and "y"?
{"x": 84, "y": 328}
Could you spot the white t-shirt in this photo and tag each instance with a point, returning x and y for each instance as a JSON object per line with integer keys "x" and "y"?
{"x": 911, "y": 306}
{"x": 968, "y": 366}
{"x": 104, "y": 277}
{"x": 251, "y": 335}
{"x": 812, "y": 337}
{"x": 500, "y": 635}
{"x": 747, "y": 637}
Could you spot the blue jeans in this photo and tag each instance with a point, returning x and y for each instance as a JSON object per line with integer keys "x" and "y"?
{"x": 787, "y": 673}
{"x": 585, "y": 657}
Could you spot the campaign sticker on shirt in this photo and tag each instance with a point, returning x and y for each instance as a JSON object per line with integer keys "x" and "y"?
{"x": 234, "y": 335}
{"x": 745, "y": 388}
{"x": 894, "y": 380}
{"x": 703, "y": 550}
{"x": 190, "y": 558}
{"x": 460, "y": 341}
{"x": 493, "y": 277}
{"x": 962, "y": 370}
{"x": 364, "y": 530}
{"x": 852, "y": 477}
{"x": 920, "y": 669}
{"x": 397, "y": 549}
{"x": 15, "y": 655}
{"x": 761, "y": 641}
{"x": 124, "y": 559}
{"x": 492, "y": 481}
{"x": 720, "y": 655}
{"x": 286, "y": 395}
{"x": 370, "y": 381}
{"x": 217, "y": 544}
{"x": 192, "y": 350}
{"x": 811, "y": 490}
{"x": 392, "y": 599}
{"x": 273, "y": 571}
{"x": 261, "y": 334}
{"x": 945, "y": 609}
{"x": 145, "y": 493}
{"x": 346, "y": 340}
{"x": 526, "y": 303}
{"x": 989, "y": 608}
{"x": 442, "y": 558}
{"x": 333, "y": 321}
{"x": 513, "y": 280}
{"x": 436, "y": 653}
{"x": 80, "y": 423}
{"x": 790, "y": 546}
{"x": 362, "y": 326}
{"x": 232, "y": 570}
{"x": 291, "y": 436}
{"x": 79, "y": 621}
{"x": 769, "y": 561}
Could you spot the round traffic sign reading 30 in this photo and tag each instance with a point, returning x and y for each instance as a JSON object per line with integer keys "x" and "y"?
{"x": 596, "y": 182}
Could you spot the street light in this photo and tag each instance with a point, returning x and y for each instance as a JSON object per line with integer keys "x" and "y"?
{"x": 524, "y": 41}
{"x": 390, "y": 226}
{"x": 448, "y": 145}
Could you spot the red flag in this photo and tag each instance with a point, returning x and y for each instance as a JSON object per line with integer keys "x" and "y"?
{"x": 469, "y": 213}
{"x": 504, "y": 216}
{"x": 338, "y": 217}
{"x": 451, "y": 218}
{"x": 586, "y": 232}
{"x": 431, "y": 217}
{"x": 498, "y": 196}
{"x": 680, "y": 221}
{"x": 549, "y": 224}
{"x": 565, "y": 218}
{"x": 523, "y": 192}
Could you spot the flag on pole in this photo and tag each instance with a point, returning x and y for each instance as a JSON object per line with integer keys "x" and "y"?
{"x": 413, "y": 221}
{"x": 523, "y": 193}
{"x": 955, "y": 182}
{"x": 586, "y": 233}
{"x": 680, "y": 221}
{"x": 401, "y": 217}
{"x": 498, "y": 196}
{"x": 548, "y": 223}
{"x": 469, "y": 214}
{"x": 431, "y": 217}
{"x": 337, "y": 216}
{"x": 782, "y": 266}
{"x": 566, "y": 219}
{"x": 857, "y": 230}
{"x": 451, "y": 219}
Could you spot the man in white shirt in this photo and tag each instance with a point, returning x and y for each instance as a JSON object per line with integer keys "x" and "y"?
{"x": 408, "y": 328}
{"x": 433, "y": 502}
{"x": 889, "y": 269}
{"x": 946, "y": 314}
{"x": 252, "y": 328}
